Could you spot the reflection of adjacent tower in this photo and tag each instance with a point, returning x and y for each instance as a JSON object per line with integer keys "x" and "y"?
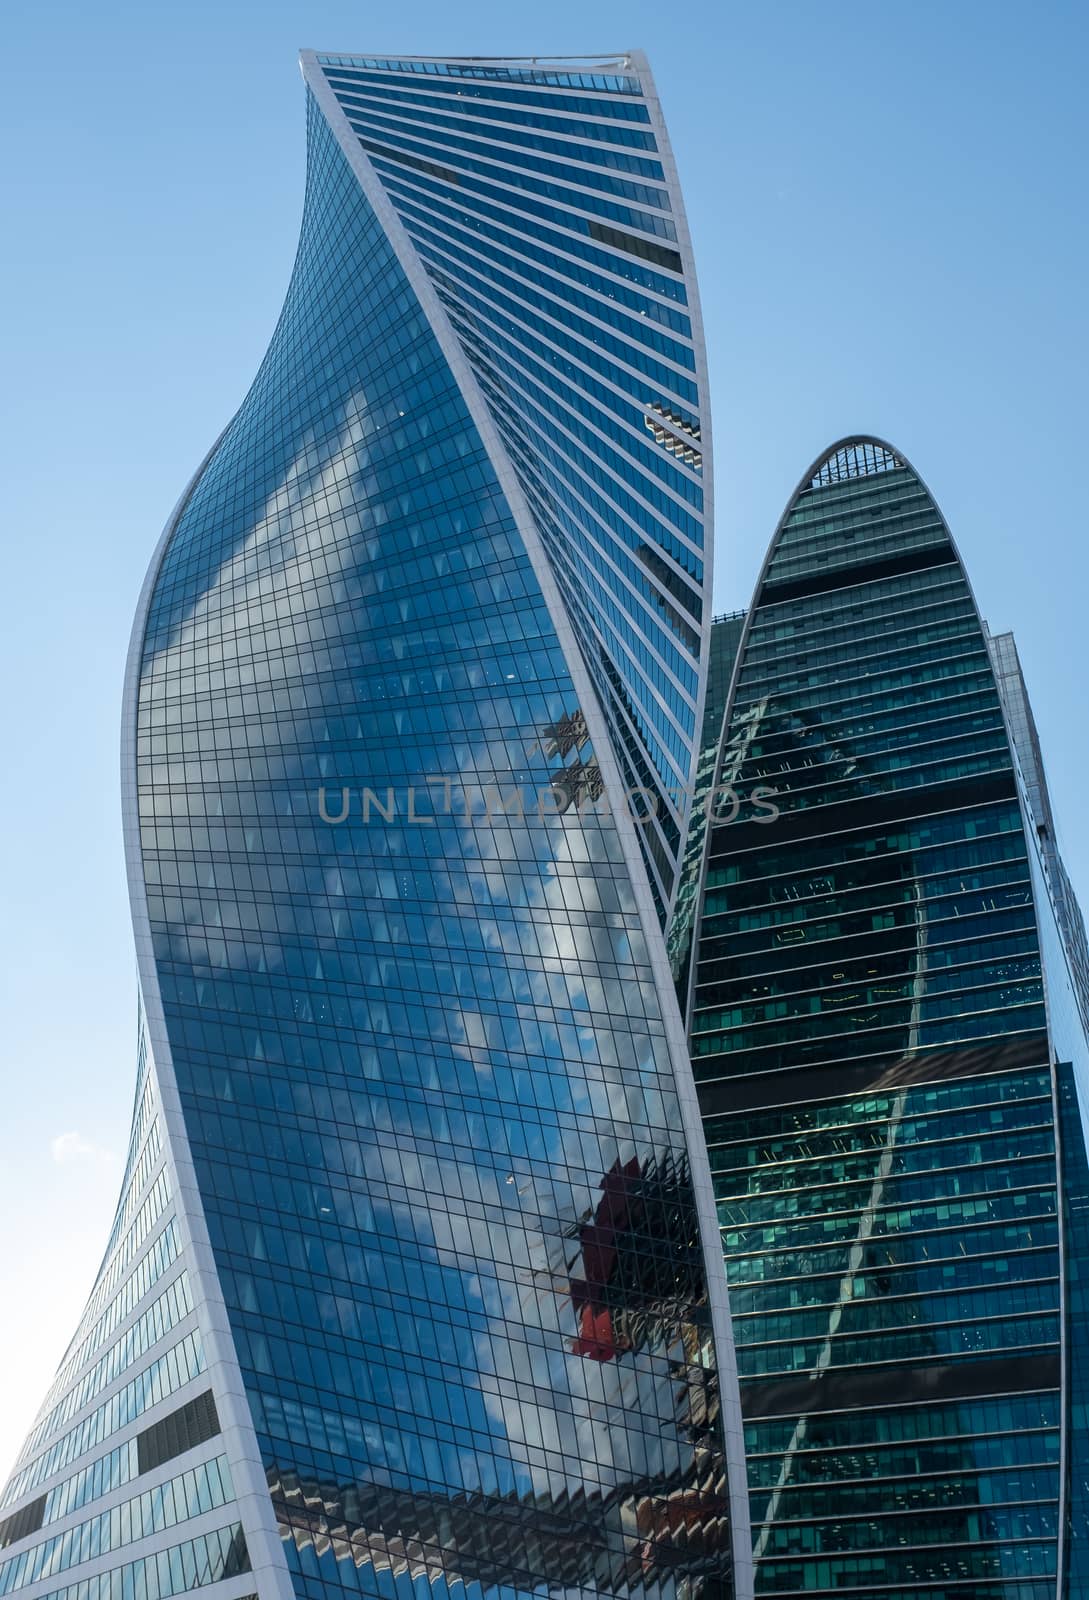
{"x": 412, "y": 1232}
{"x": 875, "y": 1067}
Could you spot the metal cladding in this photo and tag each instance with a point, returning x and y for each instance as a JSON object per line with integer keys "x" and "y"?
{"x": 892, "y": 1072}
{"x": 414, "y": 1274}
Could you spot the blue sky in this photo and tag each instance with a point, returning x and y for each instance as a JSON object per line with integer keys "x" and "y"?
{"x": 888, "y": 207}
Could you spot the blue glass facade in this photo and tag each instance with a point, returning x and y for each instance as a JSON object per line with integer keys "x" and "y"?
{"x": 552, "y": 231}
{"x": 892, "y": 1069}
{"x": 411, "y": 1235}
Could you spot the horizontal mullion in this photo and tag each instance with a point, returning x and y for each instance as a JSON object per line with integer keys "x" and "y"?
{"x": 938, "y": 901}
{"x": 958, "y": 987}
{"x": 815, "y": 892}
{"x": 848, "y": 859}
{"x": 642, "y": 216}
{"x": 675, "y": 382}
{"x": 877, "y": 1021}
{"x": 642, "y": 464}
{"x": 994, "y": 757}
{"x": 885, "y": 1144}
{"x": 614, "y": 320}
{"x": 747, "y": 694}
{"x": 980, "y": 678}
{"x": 869, "y": 1363}
{"x": 879, "y": 600}
{"x": 812, "y": 659}
{"x": 883, "y": 762}
{"x": 802, "y": 1183}
{"x": 954, "y": 1508}
{"x": 432, "y": 121}
{"x": 955, "y": 1232}
{"x": 683, "y": 734}
{"x": 955, "y": 1258}
{"x": 879, "y": 1126}
{"x": 869, "y": 739}
{"x": 499, "y": 91}
{"x": 835, "y": 551}
{"x": 984, "y": 963}
{"x": 556, "y": 122}
{"x": 839, "y": 941}
{"x": 450, "y": 211}
{"x": 522, "y": 290}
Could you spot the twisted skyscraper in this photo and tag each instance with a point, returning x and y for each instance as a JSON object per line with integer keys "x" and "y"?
{"x": 412, "y": 1275}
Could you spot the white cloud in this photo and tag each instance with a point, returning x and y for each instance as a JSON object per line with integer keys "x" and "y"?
{"x": 69, "y": 1147}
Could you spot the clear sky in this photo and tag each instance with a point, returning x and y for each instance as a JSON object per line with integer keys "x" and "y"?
{"x": 889, "y": 211}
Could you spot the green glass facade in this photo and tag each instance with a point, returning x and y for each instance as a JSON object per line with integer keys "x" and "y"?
{"x": 882, "y": 1021}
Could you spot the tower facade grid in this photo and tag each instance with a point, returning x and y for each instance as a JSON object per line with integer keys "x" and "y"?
{"x": 892, "y": 1066}
{"x": 410, "y": 1280}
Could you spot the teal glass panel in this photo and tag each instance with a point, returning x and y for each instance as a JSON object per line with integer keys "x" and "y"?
{"x": 874, "y": 1025}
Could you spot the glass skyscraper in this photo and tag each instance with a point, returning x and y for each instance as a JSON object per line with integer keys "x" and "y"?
{"x": 886, "y": 1003}
{"x": 414, "y": 1285}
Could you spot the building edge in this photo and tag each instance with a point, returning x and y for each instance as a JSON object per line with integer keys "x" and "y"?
{"x": 269, "y": 1574}
{"x": 699, "y": 348}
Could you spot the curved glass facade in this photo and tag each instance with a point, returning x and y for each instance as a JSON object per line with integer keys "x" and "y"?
{"x": 410, "y": 1238}
{"x": 891, "y": 1069}
{"x": 552, "y": 231}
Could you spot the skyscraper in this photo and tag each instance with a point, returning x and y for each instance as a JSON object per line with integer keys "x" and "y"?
{"x": 893, "y": 1072}
{"x": 413, "y": 1274}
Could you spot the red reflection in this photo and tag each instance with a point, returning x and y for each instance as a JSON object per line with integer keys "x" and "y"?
{"x": 598, "y": 1339}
